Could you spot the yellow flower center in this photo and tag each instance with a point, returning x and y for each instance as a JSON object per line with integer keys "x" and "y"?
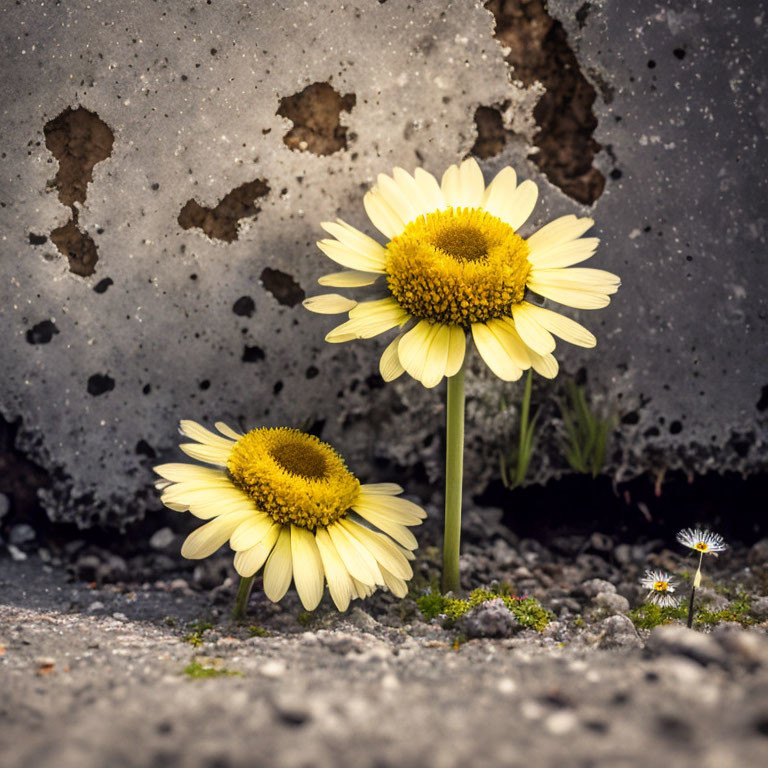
{"x": 661, "y": 586}
{"x": 702, "y": 546}
{"x": 293, "y": 477}
{"x": 458, "y": 266}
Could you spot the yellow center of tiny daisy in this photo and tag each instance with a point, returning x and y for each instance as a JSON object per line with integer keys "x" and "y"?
{"x": 661, "y": 586}
{"x": 293, "y": 477}
{"x": 702, "y": 546}
{"x": 457, "y": 267}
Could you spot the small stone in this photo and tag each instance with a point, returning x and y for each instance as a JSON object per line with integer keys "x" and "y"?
{"x": 179, "y": 585}
{"x": 489, "y": 619}
{"x": 273, "y": 669}
{"x": 362, "y": 620}
{"x": 682, "y": 641}
{"x": 759, "y": 608}
{"x": 601, "y": 542}
{"x": 758, "y": 555}
{"x": 593, "y": 587}
{"x": 16, "y": 554}
{"x": 559, "y": 723}
{"x": 117, "y": 616}
{"x": 711, "y": 600}
{"x": 618, "y": 632}
{"x": 21, "y": 534}
{"x": 95, "y": 606}
{"x": 623, "y": 554}
{"x": 608, "y": 604}
{"x": 45, "y": 665}
{"x": 162, "y": 539}
{"x": 743, "y": 646}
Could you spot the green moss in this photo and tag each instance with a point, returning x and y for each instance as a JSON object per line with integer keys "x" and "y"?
{"x": 197, "y": 628}
{"x": 650, "y": 615}
{"x": 259, "y": 632}
{"x": 527, "y": 610}
{"x": 170, "y": 621}
{"x": 196, "y": 670}
{"x": 739, "y": 610}
{"x": 304, "y": 618}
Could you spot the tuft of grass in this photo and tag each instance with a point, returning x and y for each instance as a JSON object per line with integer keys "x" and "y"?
{"x": 197, "y": 628}
{"x": 259, "y": 632}
{"x": 739, "y": 610}
{"x": 650, "y": 615}
{"x": 586, "y": 431}
{"x": 196, "y": 671}
{"x": 527, "y": 610}
{"x": 513, "y": 463}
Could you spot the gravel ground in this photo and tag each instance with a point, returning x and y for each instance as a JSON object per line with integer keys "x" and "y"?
{"x": 98, "y": 674}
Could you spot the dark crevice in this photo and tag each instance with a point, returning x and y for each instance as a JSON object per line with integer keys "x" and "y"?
{"x": 315, "y": 114}
{"x": 282, "y": 286}
{"x": 220, "y": 222}
{"x": 78, "y": 139}
{"x": 539, "y": 52}
{"x": 42, "y": 333}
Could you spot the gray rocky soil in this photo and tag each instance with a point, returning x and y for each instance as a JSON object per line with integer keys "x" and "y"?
{"x": 112, "y": 661}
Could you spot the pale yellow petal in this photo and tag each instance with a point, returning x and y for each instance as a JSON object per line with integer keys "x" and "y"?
{"x": 499, "y": 191}
{"x": 399, "y": 197}
{"x": 463, "y": 185}
{"x": 456, "y": 350}
{"x": 389, "y": 365}
{"x": 180, "y": 472}
{"x": 250, "y": 532}
{"x": 561, "y": 230}
{"x": 386, "y": 552}
{"x": 510, "y": 340}
{"x": 536, "y": 337}
{"x": 348, "y": 257}
{"x": 395, "y": 585}
{"x": 210, "y": 454}
{"x": 362, "y": 590}
{"x": 368, "y": 319}
{"x": 381, "y": 489}
{"x": 329, "y": 304}
{"x": 577, "y": 278}
{"x": 563, "y": 327}
{"x": 430, "y": 190}
{"x": 222, "y": 493}
{"x": 569, "y": 297}
{"x": 349, "y": 278}
{"x": 339, "y": 581}
{"x": 544, "y": 365}
{"x": 382, "y": 215}
{"x": 307, "y": 567}
{"x": 564, "y": 254}
{"x": 408, "y": 186}
{"x": 250, "y": 560}
{"x": 397, "y": 531}
{"x": 195, "y": 431}
{"x": 227, "y": 430}
{"x": 494, "y": 354}
{"x": 358, "y": 241}
{"x": 358, "y": 561}
{"x": 396, "y": 509}
{"x": 413, "y": 350}
{"x": 521, "y": 205}
{"x": 209, "y": 537}
{"x": 279, "y": 567}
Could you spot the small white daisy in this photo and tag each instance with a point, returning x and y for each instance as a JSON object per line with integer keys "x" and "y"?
{"x": 660, "y": 585}
{"x": 703, "y": 541}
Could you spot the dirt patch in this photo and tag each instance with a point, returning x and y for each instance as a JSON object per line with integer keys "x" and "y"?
{"x": 283, "y": 287}
{"x": 315, "y": 113}
{"x": 220, "y": 222}
{"x": 539, "y": 52}
{"x": 78, "y": 139}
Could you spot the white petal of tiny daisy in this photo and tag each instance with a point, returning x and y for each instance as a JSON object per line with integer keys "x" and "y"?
{"x": 349, "y": 278}
{"x": 494, "y": 353}
{"x": 463, "y": 185}
{"x": 561, "y": 326}
{"x": 389, "y": 365}
{"x": 279, "y": 568}
{"x": 702, "y": 540}
{"x": 382, "y": 215}
{"x": 557, "y": 232}
{"x": 329, "y": 304}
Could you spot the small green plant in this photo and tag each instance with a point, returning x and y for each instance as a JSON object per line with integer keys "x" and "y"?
{"x": 650, "y": 615}
{"x": 304, "y": 618}
{"x": 513, "y": 463}
{"x": 196, "y": 670}
{"x": 170, "y": 621}
{"x": 586, "y": 431}
{"x": 197, "y": 628}
{"x": 739, "y": 610}
{"x": 259, "y": 632}
{"x": 527, "y": 610}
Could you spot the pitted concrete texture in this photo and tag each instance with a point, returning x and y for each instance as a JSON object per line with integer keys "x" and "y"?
{"x": 204, "y": 213}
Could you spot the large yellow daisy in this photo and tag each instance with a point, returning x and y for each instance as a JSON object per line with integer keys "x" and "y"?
{"x": 286, "y": 501}
{"x": 455, "y": 263}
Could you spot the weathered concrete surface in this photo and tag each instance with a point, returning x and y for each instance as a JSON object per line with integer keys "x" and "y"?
{"x": 93, "y": 679}
{"x": 191, "y": 94}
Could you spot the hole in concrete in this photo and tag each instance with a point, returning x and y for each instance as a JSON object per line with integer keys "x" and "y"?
{"x": 315, "y": 114}
{"x": 220, "y": 222}
{"x": 78, "y": 139}
{"x": 762, "y": 403}
{"x": 244, "y": 306}
{"x": 311, "y": 372}
{"x": 539, "y": 52}
{"x": 282, "y": 286}
{"x": 204, "y": 384}
{"x": 42, "y": 333}
{"x": 143, "y": 448}
{"x": 37, "y": 239}
{"x": 491, "y": 133}
{"x": 102, "y": 285}
{"x": 100, "y": 383}
{"x": 77, "y": 246}
{"x": 253, "y": 354}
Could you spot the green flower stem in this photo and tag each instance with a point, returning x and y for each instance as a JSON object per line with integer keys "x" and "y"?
{"x": 696, "y": 582}
{"x": 454, "y": 467}
{"x": 241, "y": 602}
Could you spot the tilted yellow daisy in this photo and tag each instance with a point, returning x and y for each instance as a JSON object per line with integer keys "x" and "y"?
{"x": 285, "y": 500}
{"x": 455, "y": 263}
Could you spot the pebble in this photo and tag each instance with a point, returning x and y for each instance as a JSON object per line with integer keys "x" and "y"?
{"x": 618, "y": 632}
{"x": 162, "y": 539}
{"x": 609, "y": 604}
{"x": 758, "y": 555}
{"x": 760, "y": 608}
{"x": 16, "y": 554}
{"x": 21, "y": 534}
{"x": 489, "y": 619}
{"x": 559, "y": 723}
{"x": 593, "y": 587}
{"x": 674, "y": 639}
{"x": 95, "y": 606}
